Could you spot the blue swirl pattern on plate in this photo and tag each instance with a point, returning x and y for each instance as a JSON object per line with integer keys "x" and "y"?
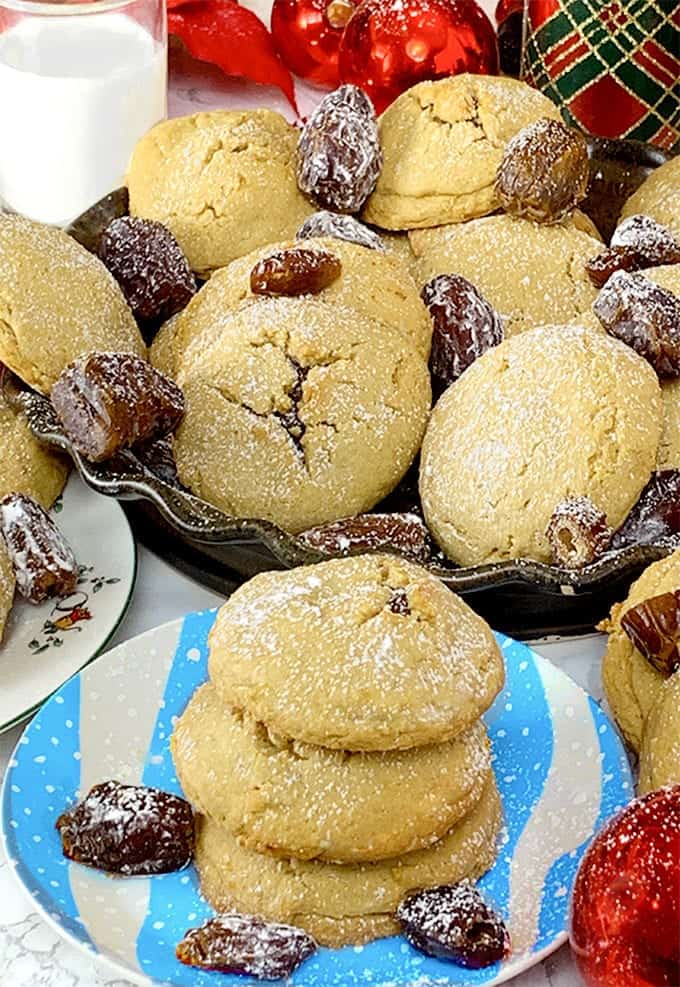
{"x": 540, "y": 720}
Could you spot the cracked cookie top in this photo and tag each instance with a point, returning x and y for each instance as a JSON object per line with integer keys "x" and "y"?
{"x": 223, "y": 182}
{"x": 553, "y": 413}
{"x": 300, "y": 412}
{"x": 442, "y": 143}
{"x": 320, "y": 655}
{"x": 57, "y": 302}
{"x": 533, "y": 275}
{"x": 292, "y": 799}
{"x": 375, "y": 284}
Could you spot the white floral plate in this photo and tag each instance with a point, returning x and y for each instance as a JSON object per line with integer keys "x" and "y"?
{"x": 44, "y": 645}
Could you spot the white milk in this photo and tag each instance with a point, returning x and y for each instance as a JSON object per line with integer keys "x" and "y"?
{"x": 75, "y": 95}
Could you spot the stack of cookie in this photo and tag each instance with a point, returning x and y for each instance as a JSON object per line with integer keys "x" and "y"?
{"x": 336, "y": 756}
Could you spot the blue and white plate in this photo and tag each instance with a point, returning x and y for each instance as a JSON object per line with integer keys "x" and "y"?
{"x": 560, "y": 768}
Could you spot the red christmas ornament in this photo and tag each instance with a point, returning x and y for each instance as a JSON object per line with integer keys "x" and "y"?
{"x": 389, "y": 45}
{"x": 307, "y": 36}
{"x": 505, "y": 8}
{"x": 625, "y": 921}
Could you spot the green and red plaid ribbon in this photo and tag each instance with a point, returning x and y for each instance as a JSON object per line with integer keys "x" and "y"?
{"x": 612, "y": 66}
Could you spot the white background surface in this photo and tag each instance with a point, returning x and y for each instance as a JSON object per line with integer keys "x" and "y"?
{"x": 31, "y": 954}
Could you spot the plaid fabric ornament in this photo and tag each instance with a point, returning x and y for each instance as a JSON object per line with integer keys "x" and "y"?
{"x": 612, "y": 66}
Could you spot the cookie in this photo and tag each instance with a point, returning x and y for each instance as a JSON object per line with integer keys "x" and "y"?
{"x": 57, "y": 302}
{"x": 631, "y": 684}
{"x": 365, "y": 653}
{"x": 556, "y": 412}
{"x": 27, "y": 466}
{"x": 658, "y": 197}
{"x": 373, "y": 283}
{"x": 342, "y": 904}
{"x": 532, "y": 274}
{"x": 7, "y": 586}
{"x": 300, "y": 412}
{"x": 660, "y": 750}
{"x": 163, "y": 350}
{"x": 223, "y": 182}
{"x": 442, "y": 143}
{"x": 295, "y": 800}
{"x": 668, "y": 456}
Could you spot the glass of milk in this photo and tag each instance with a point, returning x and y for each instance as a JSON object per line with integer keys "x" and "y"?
{"x": 79, "y": 85}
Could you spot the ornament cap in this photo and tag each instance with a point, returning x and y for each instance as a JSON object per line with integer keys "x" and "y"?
{"x": 338, "y": 12}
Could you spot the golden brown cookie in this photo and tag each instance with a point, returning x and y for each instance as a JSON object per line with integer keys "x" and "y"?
{"x": 295, "y": 800}
{"x": 7, "y": 584}
{"x": 364, "y": 653}
{"x": 373, "y": 283}
{"x": 442, "y": 143}
{"x": 57, "y": 302}
{"x": 658, "y": 196}
{"x": 532, "y": 274}
{"x": 631, "y": 684}
{"x": 223, "y": 182}
{"x": 300, "y": 412}
{"x": 342, "y": 904}
{"x": 555, "y": 412}
{"x": 163, "y": 350}
{"x": 27, "y": 466}
{"x": 660, "y": 750}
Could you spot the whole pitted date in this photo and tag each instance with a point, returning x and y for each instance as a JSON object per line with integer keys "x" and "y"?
{"x": 654, "y": 628}
{"x": 149, "y": 265}
{"x": 341, "y": 227}
{"x": 577, "y": 532}
{"x": 129, "y": 829}
{"x": 44, "y": 564}
{"x": 246, "y": 944}
{"x": 464, "y": 325}
{"x": 295, "y": 271}
{"x": 544, "y": 172}
{"x": 454, "y": 922}
{"x": 339, "y": 157}
{"x": 403, "y": 533}
{"x": 655, "y": 517}
{"x": 111, "y": 401}
{"x": 645, "y": 316}
{"x": 638, "y": 243}
{"x": 654, "y": 242}
{"x": 610, "y": 260}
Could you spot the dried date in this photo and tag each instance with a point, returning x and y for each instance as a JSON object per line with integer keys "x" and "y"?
{"x": 128, "y": 829}
{"x": 654, "y": 628}
{"x": 403, "y": 533}
{"x": 464, "y": 325}
{"x": 149, "y": 265}
{"x": 246, "y": 944}
{"x": 544, "y": 172}
{"x": 653, "y": 242}
{"x": 110, "y": 401}
{"x": 341, "y": 227}
{"x": 454, "y": 922}
{"x": 577, "y": 533}
{"x": 655, "y": 517}
{"x": 339, "y": 157}
{"x": 645, "y": 316}
{"x": 295, "y": 271}
{"x": 43, "y": 561}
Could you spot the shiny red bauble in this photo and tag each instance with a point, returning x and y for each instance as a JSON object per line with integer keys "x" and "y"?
{"x": 390, "y": 45}
{"x": 625, "y": 918}
{"x": 307, "y": 36}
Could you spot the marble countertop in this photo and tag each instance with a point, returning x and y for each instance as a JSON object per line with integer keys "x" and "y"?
{"x": 31, "y": 953}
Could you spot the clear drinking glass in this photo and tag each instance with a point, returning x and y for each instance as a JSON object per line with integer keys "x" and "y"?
{"x": 79, "y": 85}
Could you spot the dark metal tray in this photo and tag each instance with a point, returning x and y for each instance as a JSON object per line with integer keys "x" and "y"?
{"x": 523, "y": 598}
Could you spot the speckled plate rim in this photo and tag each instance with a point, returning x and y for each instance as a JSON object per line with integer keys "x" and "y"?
{"x": 568, "y": 721}
{"x": 103, "y": 642}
